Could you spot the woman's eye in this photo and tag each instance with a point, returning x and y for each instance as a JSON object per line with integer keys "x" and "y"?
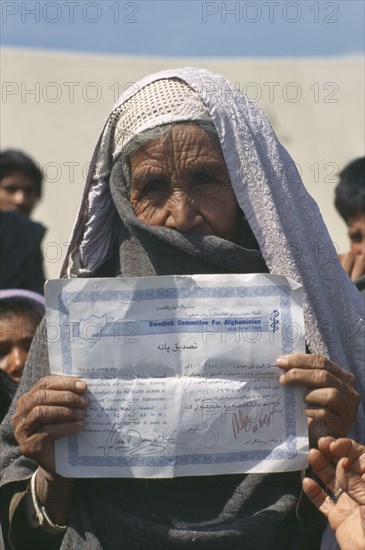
{"x": 356, "y": 238}
{"x": 153, "y": 186}
{"x": 204, "y": 177}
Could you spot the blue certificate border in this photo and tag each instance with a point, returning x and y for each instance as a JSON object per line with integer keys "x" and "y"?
{"x": 66, "y": 298}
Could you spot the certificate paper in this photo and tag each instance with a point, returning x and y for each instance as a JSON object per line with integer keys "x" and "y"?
{"x": 181, "y": 374}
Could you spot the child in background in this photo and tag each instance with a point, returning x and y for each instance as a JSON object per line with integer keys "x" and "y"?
{"x": 20, "y": 313}
{"x": 350, "y": 204}
{"x": 20, "y": 182}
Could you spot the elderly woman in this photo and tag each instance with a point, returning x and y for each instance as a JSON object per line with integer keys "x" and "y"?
{"x": 187, "y": 177}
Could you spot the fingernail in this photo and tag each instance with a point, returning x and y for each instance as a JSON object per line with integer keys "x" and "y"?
{"x": 281, "y": 379}
{"x": 80, "y": 385}
{"x": 84, "y": 399}
{"x": 282, "y": 362}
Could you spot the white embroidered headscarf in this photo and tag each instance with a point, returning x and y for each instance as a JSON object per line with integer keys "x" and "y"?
{"x": 283, "y": 217}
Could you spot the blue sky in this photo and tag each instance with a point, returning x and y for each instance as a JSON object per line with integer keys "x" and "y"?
{"x": 187, "y": 28}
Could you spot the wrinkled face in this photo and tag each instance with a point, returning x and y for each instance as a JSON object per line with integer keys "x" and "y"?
{"x": 180, "y": 181}
{"x": 356, "y": 227}
{"x": 16, "y": 333}
{"x": 18, "y": 193}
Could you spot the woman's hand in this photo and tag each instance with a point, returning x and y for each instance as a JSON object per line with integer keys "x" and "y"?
{"x": 53, "y": 408}
{"x": 346, "y": 513}
{"x": 332, "y": 399}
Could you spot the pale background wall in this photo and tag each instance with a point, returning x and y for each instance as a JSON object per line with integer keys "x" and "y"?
{"x": 54, "y": 105}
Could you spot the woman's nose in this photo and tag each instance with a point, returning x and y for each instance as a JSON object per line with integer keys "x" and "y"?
{"x": 182, "y": 214}
{"x": 362, "y": 246}
{"x": 15, "y": 363}
{"x": 20, "y": 198}
{"x": 359, "y": 247}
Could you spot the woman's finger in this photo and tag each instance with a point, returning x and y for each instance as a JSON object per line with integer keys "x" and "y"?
{"x": 48, "y": 383}
{"x": 36, "y": 444}
{"x": 321, "y": 465}
{"x": 335, "y": 449}
{"x": 315, "y": 378}
{"x": 332, "y": 399}
{"x": 44, "y": 415}
{"x": 51, "y": 390}
{"x": 346, "y": 447}
{"x": 317, "y": 496}
{"x": 44, "y": 397}
{"x": 350, "y": 482}
{"x": 344, "y": 400}
{"x": 60, "y": 382}
{"x": 333, "y": 423}
{"x": 309, "y": 362}
{"x": 330, "y": 406}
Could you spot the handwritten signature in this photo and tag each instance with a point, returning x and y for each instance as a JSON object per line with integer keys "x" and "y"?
{"x": 122, "y": 443}
{"x": 132, "y": 443}
{"x": 242, "y": 422}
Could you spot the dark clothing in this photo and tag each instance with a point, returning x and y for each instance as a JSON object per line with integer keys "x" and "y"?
{"x": 7, "y": 391}
{"x": 21, "y": 262}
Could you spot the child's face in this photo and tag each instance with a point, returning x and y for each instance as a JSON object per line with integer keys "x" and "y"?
{"x": 16, "y": 333}
{"x": 18, "y": 193}
{"x": 356, "y": 228}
